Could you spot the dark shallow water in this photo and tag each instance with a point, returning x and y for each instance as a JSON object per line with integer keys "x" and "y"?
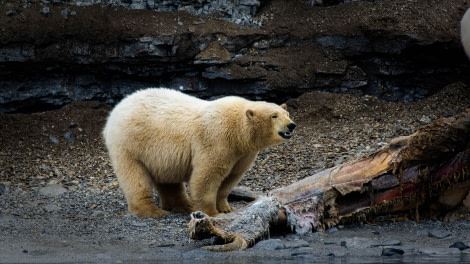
{"x": 316, "y": 259}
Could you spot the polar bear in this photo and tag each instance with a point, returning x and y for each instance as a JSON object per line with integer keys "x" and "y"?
{"x": 163, "y": 138}
{"x": 465, "y": 32}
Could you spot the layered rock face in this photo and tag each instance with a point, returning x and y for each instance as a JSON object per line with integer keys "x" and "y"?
{"x": 55, "y": 52}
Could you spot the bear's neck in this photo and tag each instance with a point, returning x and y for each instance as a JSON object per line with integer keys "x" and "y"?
{"x": 252, "y": 140}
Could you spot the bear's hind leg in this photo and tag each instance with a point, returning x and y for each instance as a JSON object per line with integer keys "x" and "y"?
{"x": 137, "y": 185}
{"x": 173, "y": 197}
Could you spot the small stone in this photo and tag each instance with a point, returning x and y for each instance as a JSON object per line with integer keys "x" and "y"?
{"x": 11, "y": 12}
{"x": 425, "y": 120}
{"x": 296, "y": 244}
{"x": 54, "y": 140}
{"x": 52, "y": 182}
{"x": 422, "y": 232}
{"x": 65, "y": 12}
{"x": 359, "y": 252}
{"x": 392, "y": 252}
{"x": 52, "y": 208}
{"x": 98, "y": 214}
{"x": 439, "y": 233}
{"x": 407, "y": 250}
{"x": 332, "y": 230}
{"x": 388, "y": 243}
{"x": 337, "y": 252}
{"x": 69, "y": 137}
{"x": 270, "y": 244}
{"x": 3, "y": 189}
{"x": 139, "y": 224}
{"x": 52, "y": 189}
{"x": 6, "y": 219}
{"x": 439, "y": 251}
{"x": 460, "y": 245}
{"x": 46, "y": 10}
{"x": 358, "y": 242}
{"x": 166, "y": 245}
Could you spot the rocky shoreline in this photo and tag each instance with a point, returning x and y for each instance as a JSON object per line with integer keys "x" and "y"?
{"x": 55, "y": 225}
{"x": 60, "y": 200}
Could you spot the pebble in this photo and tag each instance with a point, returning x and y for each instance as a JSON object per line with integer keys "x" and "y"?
{"x": 3, "y": 189}
{"x": 407, "y": 250}
{"x": 52, "y": 208}
{"x": 54, "y": 140}
{"x": 270, "y": 244}
{"x": 337, "y": 251}
{"x": 69, "y": 137}
{"x": 98, "y": 213}
{"x": 358, "y": 242}
{"x": 439, "y": 233}
{"x": 66, "y": 12}
{"x": 166, "y": 245}
{"x": 6, "y": 218}
{"x": 460, "y": 245}
{"x": 11, "y": 12}
{"x": 392, "y": 252}
{"x": 52, "y": 189}
{"x": 388, "y": 243}
{"x": 425, "y": 120}
{"x": 360, "y": 252}
{"x": 139, "y": 224}
{"x": 46, "y": 10}
{"x": 332, "y": 230}
{"x": 439, "y": 251}
{"x": 296, "y": 244}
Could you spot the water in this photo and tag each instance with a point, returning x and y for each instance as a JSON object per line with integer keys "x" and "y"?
{"x": 229, "y": 259}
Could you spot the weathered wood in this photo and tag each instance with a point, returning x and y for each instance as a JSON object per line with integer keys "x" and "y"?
{"x": 416, "y": 173}
{"x": 243, "y": 193}
{"x": 238, "y": 230}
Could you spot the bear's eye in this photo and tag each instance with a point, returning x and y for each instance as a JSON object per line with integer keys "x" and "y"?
{"x": 274, "y": 116}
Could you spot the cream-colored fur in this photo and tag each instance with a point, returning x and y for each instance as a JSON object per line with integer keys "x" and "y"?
{"x": 465, "y": 32}
{"x": 162, "y": 138}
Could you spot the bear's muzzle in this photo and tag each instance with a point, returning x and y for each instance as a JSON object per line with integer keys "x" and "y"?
{"x": 288, "y": 135}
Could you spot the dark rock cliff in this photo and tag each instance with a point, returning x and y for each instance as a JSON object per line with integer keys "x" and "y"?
{"x": 55, "y": 52}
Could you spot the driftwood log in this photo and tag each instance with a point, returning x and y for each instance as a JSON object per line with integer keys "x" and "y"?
{"x": 426, "y": 173}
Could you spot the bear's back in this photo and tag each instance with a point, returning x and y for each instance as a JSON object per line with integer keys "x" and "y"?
{"x": 158, "y": 97}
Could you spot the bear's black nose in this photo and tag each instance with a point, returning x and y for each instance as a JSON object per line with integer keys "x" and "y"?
{"x": 291, "y": 126}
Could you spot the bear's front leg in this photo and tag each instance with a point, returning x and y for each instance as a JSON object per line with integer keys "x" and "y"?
{"x": 203, "y": 188}
{"x": 238, "y": 170}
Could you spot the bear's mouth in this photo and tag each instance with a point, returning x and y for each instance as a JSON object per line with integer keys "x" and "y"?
{"x": 285, "y": 135}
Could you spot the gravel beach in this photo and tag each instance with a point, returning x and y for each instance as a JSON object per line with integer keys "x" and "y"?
{"x": 60, "y": 200}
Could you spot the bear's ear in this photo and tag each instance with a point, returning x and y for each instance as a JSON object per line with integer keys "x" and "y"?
{"x": 250, "y": 113}
{"x": 284, "y": 106}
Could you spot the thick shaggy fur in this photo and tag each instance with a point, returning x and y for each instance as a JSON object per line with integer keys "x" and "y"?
{"x": 465, "y": 32}
{"x": 162, "y": 138}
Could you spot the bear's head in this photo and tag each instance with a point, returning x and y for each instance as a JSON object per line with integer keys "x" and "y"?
{"x": 271, "y": 123}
